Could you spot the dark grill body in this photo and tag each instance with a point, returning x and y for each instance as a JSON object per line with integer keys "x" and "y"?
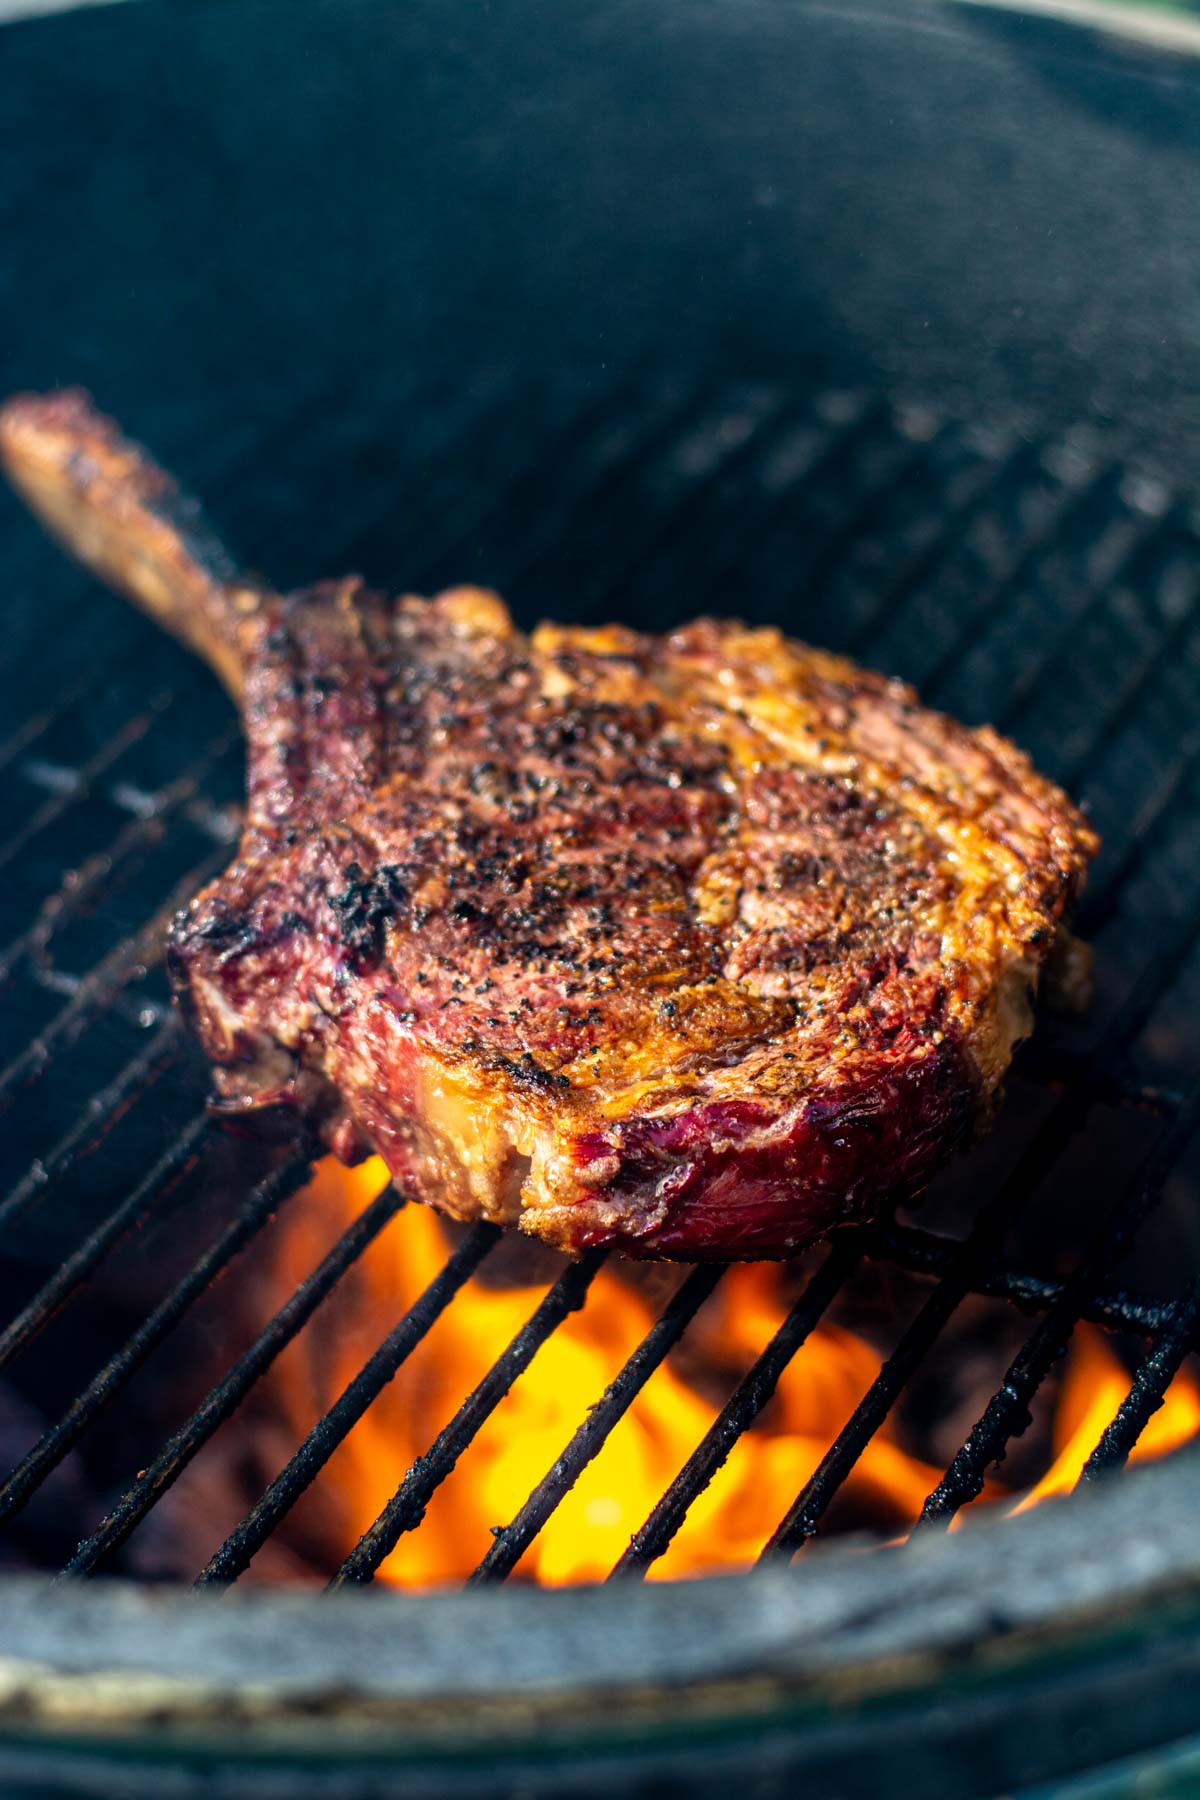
{"x": 1011, "y": 529}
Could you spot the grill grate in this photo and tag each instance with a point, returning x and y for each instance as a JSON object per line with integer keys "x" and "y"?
{"x": 1010, "y": 578}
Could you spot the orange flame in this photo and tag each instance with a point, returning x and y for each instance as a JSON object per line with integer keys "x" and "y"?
{"x": 1093, "y": 1387}
{"x": 729, "y": 1522}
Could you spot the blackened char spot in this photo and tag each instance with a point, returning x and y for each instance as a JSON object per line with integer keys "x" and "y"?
{"x": 229, "y": 933}
{"x": 364, "y": 908}
{"x": 530, "y": 1073}
{"x": 220, "y": 927}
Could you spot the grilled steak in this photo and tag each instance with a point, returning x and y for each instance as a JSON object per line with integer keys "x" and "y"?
{"x": 697, "y": 945}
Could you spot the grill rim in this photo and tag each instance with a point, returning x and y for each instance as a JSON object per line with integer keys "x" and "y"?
{"x": 417, "y": 1671}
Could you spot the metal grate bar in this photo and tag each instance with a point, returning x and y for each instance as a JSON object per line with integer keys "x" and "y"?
{"x": 512, "y": 1540}
{"x": 913, "y": 574}
{"x": 97, "y": 1117}
{"x": 486, "y": 412}
{"x": 78, "y": 885}
{"x": 1078, "y": 500}
{"x": 741, "y": 1409}
{"x": 803, "y": 1518}
{"x": 1074, "y": 505}
{"x": 335, "y": 1425}
{"x": 926, "y": 1253}
{"x": 85, "y": 778}
{"x": 36, "y": 726}
{"x": 440, "y": 506}
{"x": 229, "y": 1393}
{"x": 1150, "y": 1384}
{"x": 1134, "y": 688}
{"x": 75, "y": 1270}
{"x": 259, "y": 1207}
{"x": 840, "y": 437}
{"x": 407, "y": 1506}
{"x": 658, "y": 433}
{"x": 1177, "y": 940}
{"x": 552, "y": 452}
{"x": 1007, "y": 1412}
{"x": 843, "y": 436}
{"x": 660, "y": 419}
{"x": 72, "y": 694}
{"x": 1099, "y": 900}
{"x": 1059, "y": 657}
{"x": 687, "y": 502}
{"x": 762, "y": 419}
{"x": 836, "y": 441}
{"x": 143, "y": 949}
{"x": 825, "y": 560}
{"x": 831, "y": 444}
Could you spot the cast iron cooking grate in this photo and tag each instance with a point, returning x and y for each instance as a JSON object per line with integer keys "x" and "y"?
{"x": 1041, "y": 584}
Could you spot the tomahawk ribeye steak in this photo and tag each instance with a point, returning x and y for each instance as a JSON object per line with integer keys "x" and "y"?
{"x": 697, "y": 945}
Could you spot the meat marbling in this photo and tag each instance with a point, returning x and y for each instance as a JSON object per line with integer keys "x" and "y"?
{"x": 697, "y": 945}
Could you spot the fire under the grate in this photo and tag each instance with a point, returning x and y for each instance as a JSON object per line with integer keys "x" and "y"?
{"x": 458, "y": 1513}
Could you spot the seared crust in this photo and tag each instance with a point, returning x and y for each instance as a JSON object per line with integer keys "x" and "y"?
{"x": 697, "y": 945}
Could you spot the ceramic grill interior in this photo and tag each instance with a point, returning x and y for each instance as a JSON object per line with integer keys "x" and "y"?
{"x": 227, "y": 1363}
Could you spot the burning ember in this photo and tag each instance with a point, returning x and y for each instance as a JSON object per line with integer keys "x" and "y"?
{"x": 729, "y": 1522}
